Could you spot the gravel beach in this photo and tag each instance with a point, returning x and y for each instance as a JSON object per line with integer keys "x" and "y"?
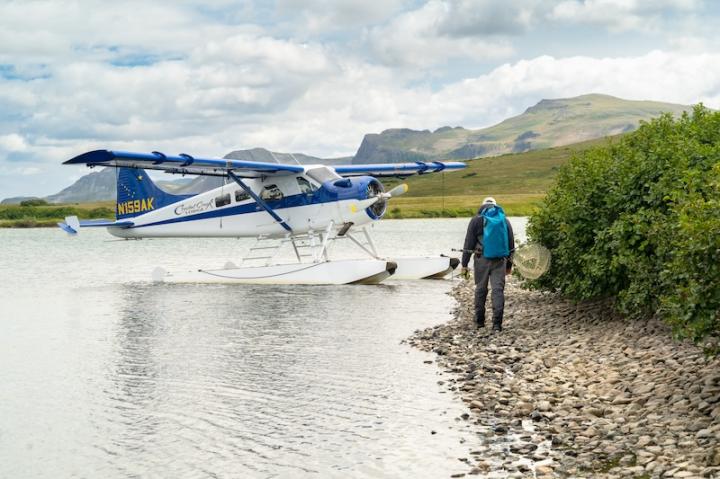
{"x": 574, "y": 390}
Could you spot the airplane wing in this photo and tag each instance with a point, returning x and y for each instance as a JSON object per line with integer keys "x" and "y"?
{"x": 398, "y": 169}
{"x": 182, "y": 164}
{"x": 187, "y": 165}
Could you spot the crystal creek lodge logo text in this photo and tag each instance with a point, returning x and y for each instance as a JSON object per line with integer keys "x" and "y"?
{"x": 192, "y": 208}
{"x": 135, "y": 206}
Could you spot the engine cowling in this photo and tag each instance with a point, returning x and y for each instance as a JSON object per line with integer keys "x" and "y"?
{"x": 360, "y": 188}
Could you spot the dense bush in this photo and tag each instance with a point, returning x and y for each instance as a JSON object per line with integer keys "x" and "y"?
{"x": 34, "y": 202}
{"x": 639, "y": 220}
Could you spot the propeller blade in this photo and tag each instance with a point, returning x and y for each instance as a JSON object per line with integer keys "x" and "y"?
{"x": 397, "y": 191}
{"x": 362, "y": 204}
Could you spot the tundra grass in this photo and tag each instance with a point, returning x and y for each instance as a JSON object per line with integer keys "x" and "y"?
{"x": 532, "y": 172}
{"x": 459, "y": 206}
{"x": 17, "y": 216}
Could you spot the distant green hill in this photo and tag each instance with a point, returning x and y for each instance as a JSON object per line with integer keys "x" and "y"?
{"x": 518, "y": 181}
{"x": 549, "y": 123}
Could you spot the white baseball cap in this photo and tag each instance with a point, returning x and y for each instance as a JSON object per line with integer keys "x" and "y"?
{"x": 489, "y": 201}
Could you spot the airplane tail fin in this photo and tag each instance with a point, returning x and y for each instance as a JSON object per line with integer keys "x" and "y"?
{"x": 137, "y": 194}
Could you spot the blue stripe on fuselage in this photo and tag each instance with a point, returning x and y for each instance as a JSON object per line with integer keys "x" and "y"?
{"x": 327, "y": 193}
{"x": 287, "y": 202}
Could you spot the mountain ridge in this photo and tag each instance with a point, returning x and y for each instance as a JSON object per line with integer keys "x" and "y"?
{"x": 547, "y": 124}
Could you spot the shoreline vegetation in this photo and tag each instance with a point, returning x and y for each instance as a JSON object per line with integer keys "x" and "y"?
{"x": 573, "y": 390}
{"x": 609, "y": 366}
{"x": 638, "y": 220}
{"x": 40, "y": 214}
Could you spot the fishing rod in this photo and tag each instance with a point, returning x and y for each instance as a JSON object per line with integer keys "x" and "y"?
{"x": 462, "y": 250}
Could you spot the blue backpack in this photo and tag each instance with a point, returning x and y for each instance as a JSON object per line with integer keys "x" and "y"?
{"x": 495, "y": 233}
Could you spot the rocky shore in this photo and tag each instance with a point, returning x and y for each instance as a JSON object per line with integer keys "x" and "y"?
{"x": 573, "y": 390}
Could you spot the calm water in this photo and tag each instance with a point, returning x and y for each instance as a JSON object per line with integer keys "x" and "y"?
{"x": 103, "y": 374}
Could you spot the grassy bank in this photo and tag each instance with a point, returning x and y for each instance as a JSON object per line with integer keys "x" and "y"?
{"x": 529, "y": 173}
{"x": 518, "y": 181}
{"x": 33, "y": 216}
{"x": 458, "y": 206}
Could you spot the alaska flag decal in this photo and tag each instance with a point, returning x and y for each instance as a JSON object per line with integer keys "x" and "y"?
{"x": 137, "y": 194}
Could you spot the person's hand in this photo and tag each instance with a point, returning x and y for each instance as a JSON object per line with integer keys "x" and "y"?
{"x": 508, "y": 269}
{"x": 464, "y": 273}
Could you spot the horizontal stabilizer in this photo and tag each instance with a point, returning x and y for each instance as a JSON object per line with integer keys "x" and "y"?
{"x": 67, "y": 228}
{"x": 72, "y": 224}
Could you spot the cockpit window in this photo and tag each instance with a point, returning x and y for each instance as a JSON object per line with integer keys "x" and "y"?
{"x": 305, "y": 186}
{"x": 240, "y": 195}
{"x": 222, "y": 200}
{"x": 271, "y": 193}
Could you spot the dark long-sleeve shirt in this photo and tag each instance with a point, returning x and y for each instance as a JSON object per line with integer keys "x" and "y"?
{"x": 475, "y": 235}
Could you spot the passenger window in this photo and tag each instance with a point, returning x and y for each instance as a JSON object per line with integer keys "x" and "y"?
{"x": 305, "y": 186}
{"x": 222, "y": 200}
{"x": 240, "y": 195}
{"x": 271, "y": 193}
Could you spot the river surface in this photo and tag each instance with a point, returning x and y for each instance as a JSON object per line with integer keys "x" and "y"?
{"x": 104, "y": 374}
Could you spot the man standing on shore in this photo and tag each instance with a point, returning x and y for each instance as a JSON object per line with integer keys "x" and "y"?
{"x": 490, "y": 237}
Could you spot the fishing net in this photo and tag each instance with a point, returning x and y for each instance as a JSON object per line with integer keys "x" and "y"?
{"x": 531, "y": 260}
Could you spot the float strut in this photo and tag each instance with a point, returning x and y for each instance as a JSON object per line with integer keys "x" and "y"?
{"x": 259, "y": 200}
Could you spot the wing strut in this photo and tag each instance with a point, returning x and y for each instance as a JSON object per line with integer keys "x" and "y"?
{"x": 259, "y": 201}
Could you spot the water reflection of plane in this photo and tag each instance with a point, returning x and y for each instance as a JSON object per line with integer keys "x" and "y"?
{"x": 304, "y": 207}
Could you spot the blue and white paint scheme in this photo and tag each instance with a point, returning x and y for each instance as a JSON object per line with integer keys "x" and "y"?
{"x": 265, "y": 200}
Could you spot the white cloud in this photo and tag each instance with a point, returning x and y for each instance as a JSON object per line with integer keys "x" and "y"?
{"x": 434, "y": 34}
{"x": 206, "y": 79}
{"x": 480, "y": 18}
{"x": 206, "y": 109}
{"x": 510, "y": 88}
{"x": 16, "y": 171}
{"x": 13, "y": 143}
{"x": 333, "y": 15}
{"x": 619, "y": 15}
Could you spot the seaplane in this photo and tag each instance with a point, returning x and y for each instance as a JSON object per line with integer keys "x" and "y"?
{"x": 302, "y": 208}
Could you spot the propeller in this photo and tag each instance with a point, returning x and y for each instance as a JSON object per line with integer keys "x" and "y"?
{"x": 377, "y": 199}
{"x": 397, "y": 191}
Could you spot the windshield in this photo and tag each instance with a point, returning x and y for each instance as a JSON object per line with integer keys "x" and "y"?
{"x": 305, "y": 186}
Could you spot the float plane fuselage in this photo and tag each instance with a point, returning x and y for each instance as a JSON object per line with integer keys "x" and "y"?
{"x": 258, "y": 199}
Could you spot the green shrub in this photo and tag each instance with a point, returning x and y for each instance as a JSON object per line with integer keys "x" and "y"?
{"x": 639, "y": 220}
{"x": 34, "y": 202}
{"x": 101, "y": 212}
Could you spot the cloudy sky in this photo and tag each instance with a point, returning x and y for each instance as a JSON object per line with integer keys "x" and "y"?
{"x": 313, "y": 76}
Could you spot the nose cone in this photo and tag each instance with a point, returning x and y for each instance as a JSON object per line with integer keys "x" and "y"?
{"x": 374, "y": 191}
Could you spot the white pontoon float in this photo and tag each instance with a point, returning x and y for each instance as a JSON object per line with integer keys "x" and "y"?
{"x": 312, "y": 263}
